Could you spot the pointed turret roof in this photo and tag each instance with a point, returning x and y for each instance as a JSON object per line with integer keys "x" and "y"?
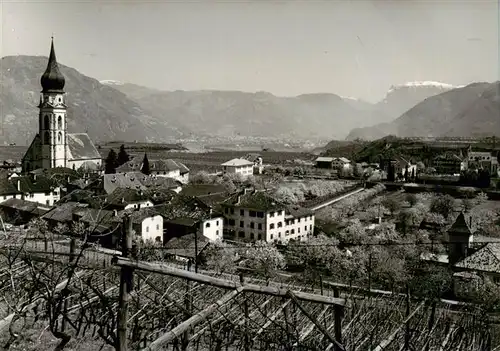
{"x": 52, "y": 80}
{"x": 460, "y": 226}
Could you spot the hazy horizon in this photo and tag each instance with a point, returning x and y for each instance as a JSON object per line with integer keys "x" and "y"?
{"x": 350, "y": 48}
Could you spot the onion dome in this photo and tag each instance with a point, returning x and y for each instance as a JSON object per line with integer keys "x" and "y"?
{"x": 52, "y": 80}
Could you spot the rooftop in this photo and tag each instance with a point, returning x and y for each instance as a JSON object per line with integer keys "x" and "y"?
{"x": 80, "y": 147}
{"x": 237, "y": 162}
{"x": 255, "y": 200}
{"x": 486, "y": 259}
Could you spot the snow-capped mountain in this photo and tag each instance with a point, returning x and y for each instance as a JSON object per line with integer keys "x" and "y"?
{"x": 111, "y": 82}
{"x": 423, "y": 84}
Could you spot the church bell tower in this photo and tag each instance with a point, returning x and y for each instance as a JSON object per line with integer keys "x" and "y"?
{"x": 52, "y": 115}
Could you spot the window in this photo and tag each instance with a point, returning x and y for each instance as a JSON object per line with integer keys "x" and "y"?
{"x": 147, "y": 229}
{"x": 46, "y": 138}
{"x": 242, "y": 224}
{"x": 252, "y": 213}
{"x": 207, "y": 225}
{"x": 157, "y": 227}
{"x": 272, "y": 237}
{"x": 217, "y": 223}
{"x": 271, "y": 214}
{"x": 271, "y": 226}
{"x": 241, "y": 234}
{"x": 292, "y": 231}
{"x": 59, "y": 137}
{"x": 231, "y": 222}
{"x": 47, "y": 202}
{"x": 46, "y": 122}
{"x": 259, "y": 236}
{"x": 252, "y": 225}
{"x": 59, "y": 122}
{"x": 279, "y": 235}
{"x": 259, "y": 226}
{"x": 260, "y": 214}
{"x": 217, "y": 232}
{"x": 242, "y": 212}
{"x": 252, "y": 236}
{"x": 310, "y": 227}
{"x": 158, "y": 239}
{"x": 232, "y": 211}
{"x": 287, "y": 233}
{"x": 305, "y": 228}
{"x": 298, "y": 230}
{"x": 280, "y": 224}
{"x": 226, "y": 210}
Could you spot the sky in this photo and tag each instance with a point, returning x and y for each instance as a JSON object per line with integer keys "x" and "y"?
{"x": 353, "y": 48}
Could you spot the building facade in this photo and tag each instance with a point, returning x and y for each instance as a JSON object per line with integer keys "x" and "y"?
{"x": 238, "y": 166}
{"x": 256, "y": 216}
{"x": 52, "y": 146}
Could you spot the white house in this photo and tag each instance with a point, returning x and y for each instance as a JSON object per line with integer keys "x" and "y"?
{"x": 341, "y": 163}
{"x": 148, "y": 226}
{"x": 31, "y": 188}
{"x": 124, "y": 199}
{"x": 238, "y": 166}
{"x": 253, "y": 216}
{"x": 212, "y": 228}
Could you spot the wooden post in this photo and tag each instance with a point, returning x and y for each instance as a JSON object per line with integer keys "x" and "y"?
{"x": 245, "y": 308}
{"x": 188, "y": 302}
{"x": 407, "y": 330}
{"x": 338, "y": 314}
{"x": 125, "y": 286}
{"x": 72, "y": 249}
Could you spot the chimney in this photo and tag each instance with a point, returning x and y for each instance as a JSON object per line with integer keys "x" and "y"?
{"x": 19, "y": 185}
{"x": 67, "y": 179}
{"x": 239, "y": 200}
{"x": 34, "y": 176}
{"x": 115, "y": 213}
{"x": 123, "y": 200}
{"x": 210, "y": 212}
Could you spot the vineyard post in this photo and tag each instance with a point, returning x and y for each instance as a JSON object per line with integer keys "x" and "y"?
{"x": 245, "y": 306}
{"x": 72, "y": 249}
{"x": 338, "y": 314}
{"x": 407, "y": 330}
{"x": 125, "y": 286}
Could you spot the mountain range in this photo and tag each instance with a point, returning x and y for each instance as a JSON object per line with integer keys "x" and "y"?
{"x": 111, "y": 110}
{"x": 470, "y": 111}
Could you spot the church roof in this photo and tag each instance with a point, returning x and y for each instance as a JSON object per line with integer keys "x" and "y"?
{"x": 52, "y": 79}
{"x": 80, "y": 147}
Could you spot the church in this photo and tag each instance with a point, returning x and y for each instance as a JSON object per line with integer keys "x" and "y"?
{"x": 53, "y": 146}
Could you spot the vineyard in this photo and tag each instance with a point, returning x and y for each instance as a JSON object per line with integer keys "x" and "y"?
{"x": 61, "y": 294}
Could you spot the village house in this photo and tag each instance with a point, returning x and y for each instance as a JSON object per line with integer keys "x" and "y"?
{"x": 18, "y": 212}
{"x": 449, "y": 164}
{"x": 186, "y": 215}
{"x": 146, "y": 222}
{"x": 341, "y": 163}
{"x": 253, "y": 216}
{"x": 32, "y": 188}
{"x": 62, "y": 214}
{"x": 158, "y": 168}
{"x": 324, "y": 162}
{"x": 238, "y": 166}
{"x": 125, "y": 198}
{"x": 482, "y": 160}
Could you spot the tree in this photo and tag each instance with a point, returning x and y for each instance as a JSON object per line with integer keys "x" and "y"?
{"x": 265, "y": 259}
{"x": 391, "y": 204}
{"x": 411, "y": 198}
{"x": 443, "y": 205}
{"x": 123, "y": 156}
{"x": 145, "y": 165}
{"x": 221, "y": 257}
{"x": 111, "y": 162}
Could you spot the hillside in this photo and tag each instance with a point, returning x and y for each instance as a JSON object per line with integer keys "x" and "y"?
{"x": 469, "y": 111}
{"x": 104, "y": 112}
